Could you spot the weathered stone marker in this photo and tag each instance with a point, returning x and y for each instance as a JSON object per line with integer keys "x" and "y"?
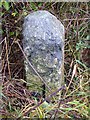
{"x": 43, "y": 44}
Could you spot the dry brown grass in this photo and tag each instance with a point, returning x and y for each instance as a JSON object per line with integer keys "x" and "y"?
{"x": 75, "y": 98}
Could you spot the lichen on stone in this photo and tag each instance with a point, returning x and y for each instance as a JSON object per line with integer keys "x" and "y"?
{"x": 43, "y": 44}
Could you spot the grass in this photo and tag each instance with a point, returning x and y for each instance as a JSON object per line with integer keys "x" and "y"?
{"x": 74, "y": 102}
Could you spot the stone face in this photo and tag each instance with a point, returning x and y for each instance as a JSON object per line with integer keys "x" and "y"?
{"x": 43, "y": 44}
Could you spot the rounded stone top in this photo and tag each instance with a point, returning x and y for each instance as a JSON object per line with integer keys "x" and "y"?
{"x": 39, "y": 14}
{"x": 42, "y": 24}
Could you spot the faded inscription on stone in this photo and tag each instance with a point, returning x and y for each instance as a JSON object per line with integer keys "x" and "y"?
{"x": 43, "y": 44}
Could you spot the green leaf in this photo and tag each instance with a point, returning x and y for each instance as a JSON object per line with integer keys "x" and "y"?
{"x": 10, "y": 107}
{"x": 1, "y": 31}
{"x": 68, "y": 109}
{"x": 11, "y": 33}
{"x": 6, "y": 5}
{"x": 80, "y": 105}
{"x": 0, "y": 4}
{"x": 2, "y": 95}
{"x": 81, "y": 93}
{"x": 45, "y": 105}
{"x": 40, "y": 112}
{"x": 14, "y": 14}
{"x": 40, "y": 4}
{"x": 1, "y": 14}
{"x": 74, "y": 102}
{"x": 33, "y": 6}
{"x": 81, "y": 63}
{"x": 88, "y": 37}
{"x": 25, "y": 13}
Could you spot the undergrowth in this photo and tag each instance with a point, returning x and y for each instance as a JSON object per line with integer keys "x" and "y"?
{"x": 17, "y": 100}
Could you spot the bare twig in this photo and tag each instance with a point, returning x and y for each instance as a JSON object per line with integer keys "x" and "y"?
{"x": 47, "y": 98}
{"x": 7, "y": 58}
{"x": 76, "y": 19}
{"x": 73, "y": 74}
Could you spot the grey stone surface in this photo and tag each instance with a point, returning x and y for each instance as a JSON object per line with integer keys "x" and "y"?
{"x": 43, "y": 44}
